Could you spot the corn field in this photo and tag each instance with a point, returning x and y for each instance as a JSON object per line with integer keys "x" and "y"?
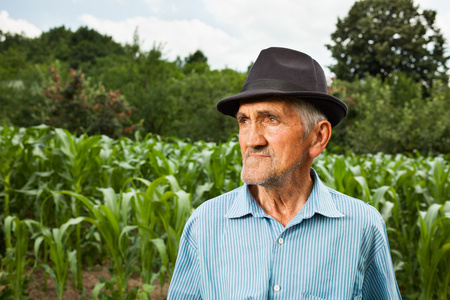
{"x": 70, "y": 202}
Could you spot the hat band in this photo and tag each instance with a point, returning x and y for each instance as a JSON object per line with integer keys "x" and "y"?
{"x": 272, "y": 84}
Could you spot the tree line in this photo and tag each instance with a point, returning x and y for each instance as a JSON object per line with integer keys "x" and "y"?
{"x": 390, "y": 66}
{"x": 86, "y": 82}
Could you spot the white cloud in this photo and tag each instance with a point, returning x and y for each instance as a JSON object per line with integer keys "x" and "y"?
{"x": 243, "y": 29}
{"x": 301, "y": 25}
{"x": 178, "y": 37}
{"x": 19, "y": 26}
{"x": 442, "y": 22}
{"x": 230, "y": 33}
{"x": 443, "y": 15}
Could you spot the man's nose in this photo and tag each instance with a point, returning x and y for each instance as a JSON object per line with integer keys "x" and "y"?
{"x": 256, "y": 136}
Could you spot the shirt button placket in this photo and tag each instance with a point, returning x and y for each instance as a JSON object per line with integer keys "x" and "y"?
{"x": 276, "y": 287}
{"x": 278, "y": 252}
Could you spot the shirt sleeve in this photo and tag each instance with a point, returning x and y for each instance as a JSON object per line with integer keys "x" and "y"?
{"x": 379, "y": 280}
{"x": 186, "y": 277}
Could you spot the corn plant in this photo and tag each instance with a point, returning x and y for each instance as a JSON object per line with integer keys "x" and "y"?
{"x": 135, "y": 196}
{"x": 13, "y": 265}
{"x": 220, "y": 167}
{"x": 107, "y": 219}
{"x": 437, "y": 180}
{"x": 434, "y": 251}
{"x": 61, "y": 258}
{"x": 20, "y": 162}
{"x": 159, "y": 214}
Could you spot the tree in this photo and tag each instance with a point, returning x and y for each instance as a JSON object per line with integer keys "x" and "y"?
{"x": 54, "y": 44}
{"x": 79, "y": 49}
{"x": 392, "y": 116}
{"x": 382, "y": 37}
{"x": 145, "y": 81}
{"x": 80, "y": 107}
{"x": 196, "y": 62}
{"x": 197, "y": 95}
{"x": 87, "y": 45}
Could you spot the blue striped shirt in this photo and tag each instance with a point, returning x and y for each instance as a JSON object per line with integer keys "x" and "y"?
{"x": 336, "y": 247}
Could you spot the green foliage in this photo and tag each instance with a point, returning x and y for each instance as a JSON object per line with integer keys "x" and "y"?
{"x": 382, "y": 37}
{"x": 80, "y": 108}
{"x": 21, "y": 98}
{"x": 82, "y": 47}
{"x": 197, "y": 95}
{"x": 11, "y": 60}
{"x": 195, "y": 63}
{"x": 55, "y": 177}
{"x": 77, "y": 200}
{"x": 12, "y": 274}
{"x": 53, "y": 45}
{"x": 178, "y": 98}
{"x": 145, "y": 81}
{"x": 166, "y": 97}
{"x": 402, "y": 188}
{"x": 434, "y": 251}
{"x": 61, "y": 257}
{"x": 22, "y": 103}
{"x": 391, "y": 116}
{"x": 87, "y": 45}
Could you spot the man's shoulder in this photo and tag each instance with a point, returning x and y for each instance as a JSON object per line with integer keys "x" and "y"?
{"x": 354, "y": 207}
{"x": 362, "y": 217}
{"x": 217, "y": 206}
{"x": 209, "y": 216}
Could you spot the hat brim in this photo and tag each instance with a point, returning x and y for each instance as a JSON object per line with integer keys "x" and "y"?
{"x": 334, "y": 109}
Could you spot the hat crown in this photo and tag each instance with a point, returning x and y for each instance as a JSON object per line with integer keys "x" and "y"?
{"x": 287, "y": 74}
{"x": 288, "y": 66}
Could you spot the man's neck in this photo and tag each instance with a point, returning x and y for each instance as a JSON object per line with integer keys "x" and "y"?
{"x": 284, "y": 202}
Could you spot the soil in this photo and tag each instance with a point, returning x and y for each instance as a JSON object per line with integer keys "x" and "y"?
{"x": 90, "y": 278}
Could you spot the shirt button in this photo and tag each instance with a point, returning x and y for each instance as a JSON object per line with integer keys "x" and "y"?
{"x": 280, "y": 241}
{"x": 276, "y": 288}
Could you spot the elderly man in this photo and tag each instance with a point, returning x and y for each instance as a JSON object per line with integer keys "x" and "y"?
{"x": 284, "y": 234}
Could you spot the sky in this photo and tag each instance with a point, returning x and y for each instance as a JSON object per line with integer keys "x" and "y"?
{"x": 230, "y": 33}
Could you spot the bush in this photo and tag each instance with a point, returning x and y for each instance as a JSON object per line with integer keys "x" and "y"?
{"x": 82, "y": 108}
{"x": 392, "y": 116}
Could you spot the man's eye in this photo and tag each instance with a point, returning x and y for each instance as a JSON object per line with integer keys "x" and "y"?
{"x": 272, "y": 120}
{"x": 243, "y": 121}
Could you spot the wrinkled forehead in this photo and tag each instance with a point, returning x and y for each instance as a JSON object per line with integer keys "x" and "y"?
{"x": 281, "y": 102}
{"x": 279, "y": 108}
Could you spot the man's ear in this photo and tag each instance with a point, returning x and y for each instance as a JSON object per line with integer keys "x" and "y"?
{"x": 320, "y": 136}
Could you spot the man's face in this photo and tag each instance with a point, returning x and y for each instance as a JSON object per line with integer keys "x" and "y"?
{"x": 272, "y": 143}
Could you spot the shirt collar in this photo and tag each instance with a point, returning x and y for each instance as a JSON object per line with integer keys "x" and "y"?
{"x": 319, "y": 201}
{"x": 244, "y": 204}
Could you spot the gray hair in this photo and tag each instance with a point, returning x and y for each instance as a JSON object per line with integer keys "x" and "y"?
{"x": 308, "y": 113}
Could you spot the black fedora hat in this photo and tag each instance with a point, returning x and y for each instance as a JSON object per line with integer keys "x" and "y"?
{"x": 286, "y": 73}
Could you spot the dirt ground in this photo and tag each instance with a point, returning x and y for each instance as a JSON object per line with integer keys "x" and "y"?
{"x": 90, "y": 278}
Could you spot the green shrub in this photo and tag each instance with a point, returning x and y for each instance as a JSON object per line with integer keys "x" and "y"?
{"x": 393, "y": 117}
